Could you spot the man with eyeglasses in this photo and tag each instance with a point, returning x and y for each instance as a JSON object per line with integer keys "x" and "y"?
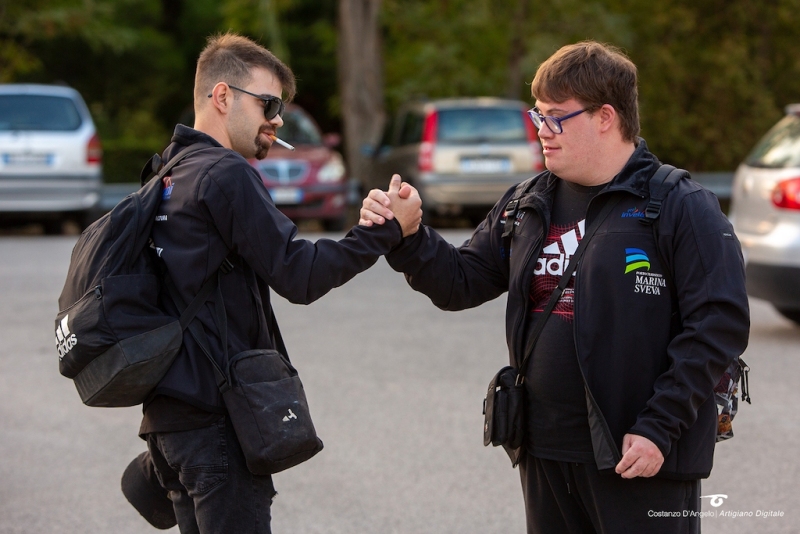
{"x": 214, "y": 207}
{"x": 621, "y": 419}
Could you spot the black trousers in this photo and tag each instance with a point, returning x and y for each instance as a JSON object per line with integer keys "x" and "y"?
{"x": 199, "y": 480}
{"x": 574, "y": 498}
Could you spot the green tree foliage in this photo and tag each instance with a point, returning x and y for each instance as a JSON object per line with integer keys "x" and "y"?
{"x": 714, "y": 74}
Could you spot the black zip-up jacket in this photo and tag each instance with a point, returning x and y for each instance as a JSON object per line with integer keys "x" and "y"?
{"x": 215, "y": 206}
{"x": 650, "y": 364}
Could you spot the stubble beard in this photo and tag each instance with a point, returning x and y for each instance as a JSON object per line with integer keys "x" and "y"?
{"x": 262, "y": 148}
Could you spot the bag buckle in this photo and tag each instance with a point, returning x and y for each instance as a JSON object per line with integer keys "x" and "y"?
{"x": 226, "y": 266}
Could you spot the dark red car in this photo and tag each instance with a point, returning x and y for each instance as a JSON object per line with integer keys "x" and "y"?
{"x": 311, "y": 181}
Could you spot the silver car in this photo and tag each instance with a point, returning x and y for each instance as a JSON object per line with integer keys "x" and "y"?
{"x": 50, "y": 156}
{"x": 462, "y": 154}
{"x": 765, "y": 212}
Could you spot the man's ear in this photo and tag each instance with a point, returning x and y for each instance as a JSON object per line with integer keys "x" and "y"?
{"x": 221, "y": 98}
{"x": 608, "y": 117}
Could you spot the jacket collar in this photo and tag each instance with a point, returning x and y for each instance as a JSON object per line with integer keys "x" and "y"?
{"x": 633, "y": 177}
{"x": 185, "y": 136}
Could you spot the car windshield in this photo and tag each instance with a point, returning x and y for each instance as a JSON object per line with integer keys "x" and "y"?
{"x": 298, "y": 129}
{"x": 38, "y": 113}
{"x": 481, "y": 125}
{"x": 780, "y": 147}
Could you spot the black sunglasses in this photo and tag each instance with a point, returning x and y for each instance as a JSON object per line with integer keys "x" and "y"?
{"x": 273, "y": 106}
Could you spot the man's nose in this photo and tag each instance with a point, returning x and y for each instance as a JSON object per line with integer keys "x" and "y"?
{"x": 545, "y": 131}
{"x": 276, "y": 121}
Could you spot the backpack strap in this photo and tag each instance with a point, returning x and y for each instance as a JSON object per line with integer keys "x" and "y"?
{"x": 153, "y": 167}
{"x": 660, "y": 184}
{"x": 510, "y": 214}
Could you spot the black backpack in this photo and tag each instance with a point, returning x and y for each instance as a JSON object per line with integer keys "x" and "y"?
{"x": 113, "y": 338}
{"x": 666, "y": 177}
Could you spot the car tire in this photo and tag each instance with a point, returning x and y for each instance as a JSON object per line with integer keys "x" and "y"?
{"x": 792, "y": 314}
{"x": 88, "y": 217}
{"x": 334, "y": 225}
{"x": 53, "y": 227}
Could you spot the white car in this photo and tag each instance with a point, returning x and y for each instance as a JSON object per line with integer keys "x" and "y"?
{"x": 50, "y": 156}
{"x": 765, "y": 212}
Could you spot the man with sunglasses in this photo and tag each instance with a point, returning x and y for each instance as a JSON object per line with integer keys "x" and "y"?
{"x": 621, "y": 418}
{"x": 215, "y": 207}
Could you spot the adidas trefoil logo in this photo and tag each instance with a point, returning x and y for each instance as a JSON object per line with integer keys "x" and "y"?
{"x": 65, "y": 340}
{"x": 290, "y": 416}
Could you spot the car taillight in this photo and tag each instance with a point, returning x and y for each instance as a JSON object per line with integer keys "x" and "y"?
{"x": 428, "y": 142}
{"x": 94, "y": 150}
{"x": 787, "y": 194}
{"x": 533, "y": 142}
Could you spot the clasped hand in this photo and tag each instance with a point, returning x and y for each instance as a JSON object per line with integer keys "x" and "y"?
{"x": 401, "y": 201}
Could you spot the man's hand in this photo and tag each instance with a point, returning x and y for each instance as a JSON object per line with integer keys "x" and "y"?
{"x": 401, "y": 201}
{"x": 640, "y": 457}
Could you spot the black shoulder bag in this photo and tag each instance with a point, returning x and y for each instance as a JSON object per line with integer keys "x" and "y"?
{"x": 263, "y": 395}
{"x": 504, "y": 405}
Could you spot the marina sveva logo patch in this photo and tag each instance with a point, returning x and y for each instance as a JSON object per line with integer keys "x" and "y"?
{"x": 636, "y": 258}
{"x": 647, "y": 283}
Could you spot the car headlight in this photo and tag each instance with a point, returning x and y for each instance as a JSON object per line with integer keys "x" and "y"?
{"x": 333, "y": 171}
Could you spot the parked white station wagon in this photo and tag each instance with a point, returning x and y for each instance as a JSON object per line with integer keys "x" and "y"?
{"x": 50, "y": 156}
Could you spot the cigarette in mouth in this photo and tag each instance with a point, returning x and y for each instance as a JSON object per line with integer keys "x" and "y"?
{"x": 281, "y": 142}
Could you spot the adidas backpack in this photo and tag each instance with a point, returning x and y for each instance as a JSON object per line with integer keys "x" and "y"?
{"x": 113, "y": 339}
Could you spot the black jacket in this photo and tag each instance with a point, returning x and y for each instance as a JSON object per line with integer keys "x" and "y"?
{"x": 215, "y": 206}
{"x": 650, "y": 364}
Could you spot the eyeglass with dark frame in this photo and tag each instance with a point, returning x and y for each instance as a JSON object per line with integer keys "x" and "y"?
{"x": 554, "y": 123}
{"x": 273, "y": 106}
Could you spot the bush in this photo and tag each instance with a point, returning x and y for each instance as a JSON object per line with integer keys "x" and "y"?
{"x": 123, "y": 164}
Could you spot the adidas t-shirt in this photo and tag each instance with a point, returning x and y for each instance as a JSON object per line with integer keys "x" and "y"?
{"x": 558, "y": 426}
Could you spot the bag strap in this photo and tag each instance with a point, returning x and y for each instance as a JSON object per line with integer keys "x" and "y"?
{"x": 562, "y": 284}
{"x": 153, "y": 167}
{"x": 660, "y": 184}
{"x": 190, "y": 312}
{"x": 199, "y": 334}
{"x": 510, "y": 214}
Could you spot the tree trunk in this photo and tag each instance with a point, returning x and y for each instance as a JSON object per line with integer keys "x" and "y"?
{"x": 360, "y": 65}
{"x": 517, "y": 49}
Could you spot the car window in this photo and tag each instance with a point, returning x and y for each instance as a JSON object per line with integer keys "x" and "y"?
{"x": 780, "y": 147}
{"x": 298, "y": 129}
{"x": 38, "y": 113}
{"x": 412, "y": 129}
{"x": 484, "y": 125}
{"x": 386, "y": 137}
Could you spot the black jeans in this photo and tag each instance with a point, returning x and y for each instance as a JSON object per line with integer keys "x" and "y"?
{"x": 574, "y": 498}
{"x": 211, "y": 489}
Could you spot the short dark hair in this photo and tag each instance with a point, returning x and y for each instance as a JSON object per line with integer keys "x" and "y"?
{"x": 594, "y": 74}
{"x": 230, "y": 57}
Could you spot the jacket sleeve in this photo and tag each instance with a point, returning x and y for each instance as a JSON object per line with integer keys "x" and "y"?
{"x": 252, "y": 226}
{"x": 456, "y": 278}
{"x": 708, "y": 271}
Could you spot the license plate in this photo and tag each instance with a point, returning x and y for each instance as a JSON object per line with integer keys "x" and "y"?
{"x": 485, "y": 165}
{"x": 28, "y": 159}
{"x": 286, "y": 195}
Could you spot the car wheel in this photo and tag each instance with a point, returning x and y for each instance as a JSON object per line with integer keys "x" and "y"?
{"x": 334, "y": 225}
{"x": 88, "y": 217}
{"x": 792, "y": 314}
{"x": 53, "y": 227}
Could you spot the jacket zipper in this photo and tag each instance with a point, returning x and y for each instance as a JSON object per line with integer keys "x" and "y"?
{"x": 604, "y": 424}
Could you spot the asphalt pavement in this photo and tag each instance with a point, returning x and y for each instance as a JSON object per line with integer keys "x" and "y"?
{"x": 395, "y": 388}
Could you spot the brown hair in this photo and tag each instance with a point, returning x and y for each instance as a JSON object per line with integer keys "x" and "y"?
{"x": 594, "y": 74}
{"x": 229, "y": 58}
